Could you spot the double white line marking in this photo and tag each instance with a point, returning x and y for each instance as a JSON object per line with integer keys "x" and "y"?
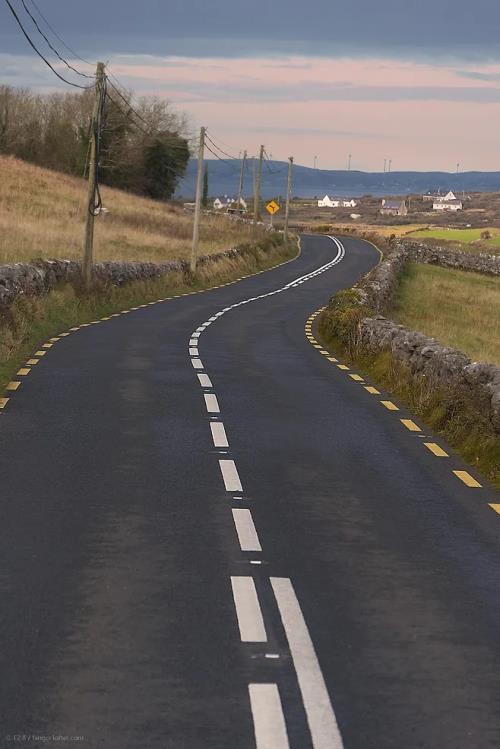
{"x": 265, "y": 702}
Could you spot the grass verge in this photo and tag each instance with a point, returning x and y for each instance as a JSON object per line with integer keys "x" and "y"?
{"x": 30, "y": 321}
{"x": 446, "y": 411}
{"x": 459, "y": 308}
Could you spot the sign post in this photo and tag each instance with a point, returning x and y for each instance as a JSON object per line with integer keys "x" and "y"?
{"x": 272, "y": 207}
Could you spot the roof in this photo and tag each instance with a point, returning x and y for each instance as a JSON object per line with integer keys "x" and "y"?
{"x": 393, "y": 204}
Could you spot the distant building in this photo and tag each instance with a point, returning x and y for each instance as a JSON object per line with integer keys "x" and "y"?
{"x": 448, "y": 204}
{"x": 235, "y": 208}
{"x": 394, "y": 208}
{"x": 327, "y": 202}
{"x": 435, "y": 197}
{"x": 221, "y": 203}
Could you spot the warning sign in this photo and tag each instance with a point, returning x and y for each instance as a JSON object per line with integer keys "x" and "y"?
{"x": 272, "y": 207}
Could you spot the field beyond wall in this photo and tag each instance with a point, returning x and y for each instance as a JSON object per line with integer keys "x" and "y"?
{"x": 42, "y": 215}
{"x": 459, "y": 308}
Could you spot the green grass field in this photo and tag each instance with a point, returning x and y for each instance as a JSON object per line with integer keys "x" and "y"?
{"x": 464, "y": 236}
{"x": 458, "y": 308}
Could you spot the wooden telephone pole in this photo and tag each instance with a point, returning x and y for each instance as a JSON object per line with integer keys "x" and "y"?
{"x": 197, "y": 209}
{"x": 93, "y": 172}
{"x": 258, "y": 182}
{"x": 288, "y": 198}
{"x": 242, "y": 174}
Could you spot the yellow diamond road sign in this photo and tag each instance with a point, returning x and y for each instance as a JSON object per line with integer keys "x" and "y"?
{"x": 272, "y": 207}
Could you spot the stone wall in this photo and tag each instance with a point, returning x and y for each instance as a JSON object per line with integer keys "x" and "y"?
{"x": 424, "y": 356}
{"x": 44, "y": 275}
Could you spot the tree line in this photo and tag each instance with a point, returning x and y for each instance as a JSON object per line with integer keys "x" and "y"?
{"x": 145, "y": 146}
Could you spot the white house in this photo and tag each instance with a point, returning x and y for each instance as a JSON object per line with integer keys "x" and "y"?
{"x": 349, "y": 204}
{"x": 448, "y": 204}
{"x": 327, "y": 202}
{"x": 225, "y": 202}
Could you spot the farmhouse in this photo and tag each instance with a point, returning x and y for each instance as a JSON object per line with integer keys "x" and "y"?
{"x": 220, "y": 203}
{"x": 327, "y": 202}
{"x": 394, "y": 208}
{"x": 448, "y": 203}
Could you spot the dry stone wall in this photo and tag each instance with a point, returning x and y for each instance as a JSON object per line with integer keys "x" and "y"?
{"x": 44, "y": 275}
{"x": 424, "y": 356}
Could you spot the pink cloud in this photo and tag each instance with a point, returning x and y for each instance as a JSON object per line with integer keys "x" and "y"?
{"x": 239, "y": 98}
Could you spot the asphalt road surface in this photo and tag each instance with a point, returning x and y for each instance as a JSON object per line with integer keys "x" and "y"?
{"x": 214, "y": 537}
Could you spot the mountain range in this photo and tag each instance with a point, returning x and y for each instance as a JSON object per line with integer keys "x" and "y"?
{"x": 223, "y": 179}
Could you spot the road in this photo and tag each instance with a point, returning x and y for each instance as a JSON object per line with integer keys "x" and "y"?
{"x": 214, "y": 537}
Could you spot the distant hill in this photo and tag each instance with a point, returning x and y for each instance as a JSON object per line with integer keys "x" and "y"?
{"x": 307, "y": 182}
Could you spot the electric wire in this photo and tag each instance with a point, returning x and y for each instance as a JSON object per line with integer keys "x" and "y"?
{"x": 54, "y": 50}
{"x": 218, "y": 148}
{"x": 32, "y": 44}
{"x": 51, "y": 28}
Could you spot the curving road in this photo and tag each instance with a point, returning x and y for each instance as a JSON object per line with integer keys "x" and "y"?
{"x": 214, "y": 537}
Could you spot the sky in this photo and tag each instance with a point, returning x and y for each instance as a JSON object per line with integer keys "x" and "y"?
{"x": 413, "y": 81}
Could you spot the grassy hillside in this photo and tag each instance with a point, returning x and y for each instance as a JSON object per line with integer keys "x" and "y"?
{"x": 42, "y": 214}
{"x": 458, "y": 308}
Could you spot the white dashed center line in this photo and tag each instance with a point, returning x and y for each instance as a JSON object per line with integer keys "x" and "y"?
{"x": 245, "y": 528}
{"x": 268, "y": 719}
{"x": 219, "y": 434}
{"x": 204, "y": 381}
{"x": 212, "y": 403}
{"x": 269, "y": 722}
{"x": 230, "y": 476}
{"x": 246, "y": 602}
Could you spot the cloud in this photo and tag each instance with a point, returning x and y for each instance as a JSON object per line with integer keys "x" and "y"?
{"x": 476, "y": 75}
{"x": 408, "y": 29}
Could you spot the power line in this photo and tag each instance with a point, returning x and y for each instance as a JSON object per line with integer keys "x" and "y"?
{"x": 172, "y": 142}
{"x": 235, "y": 158}
{"x": 70, "y": 67}
{"x": 145, "y": 132}
{"x": 32, "y": 44}
{"x": 224, "y": 161}
{"x": 71, "y": 51}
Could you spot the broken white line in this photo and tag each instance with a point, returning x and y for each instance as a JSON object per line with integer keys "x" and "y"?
{"x": 245, "y": 528}
{"x": 268, "y": 719}
{"x": 219, "y": 434}
{"x": 250, "y": 621}
{"x": 211, "y": 403}
{"x": 230, "y": 475}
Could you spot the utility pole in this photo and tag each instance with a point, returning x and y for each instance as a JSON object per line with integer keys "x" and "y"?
{"x": 288, "y": 198}
{"x": 349, "y": 162}
{"x": 197, "y": 208}
{"x": 257, "y": 187}
{"x": 385, "y": 165}
{"x": 93, "y": 172}
{"x": 390, "y": 165}
{"x": 240, "y": 189}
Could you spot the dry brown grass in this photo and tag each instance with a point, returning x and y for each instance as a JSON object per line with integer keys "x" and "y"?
{"x": 42, "y": 214}
{"x": 459, "y": 308}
